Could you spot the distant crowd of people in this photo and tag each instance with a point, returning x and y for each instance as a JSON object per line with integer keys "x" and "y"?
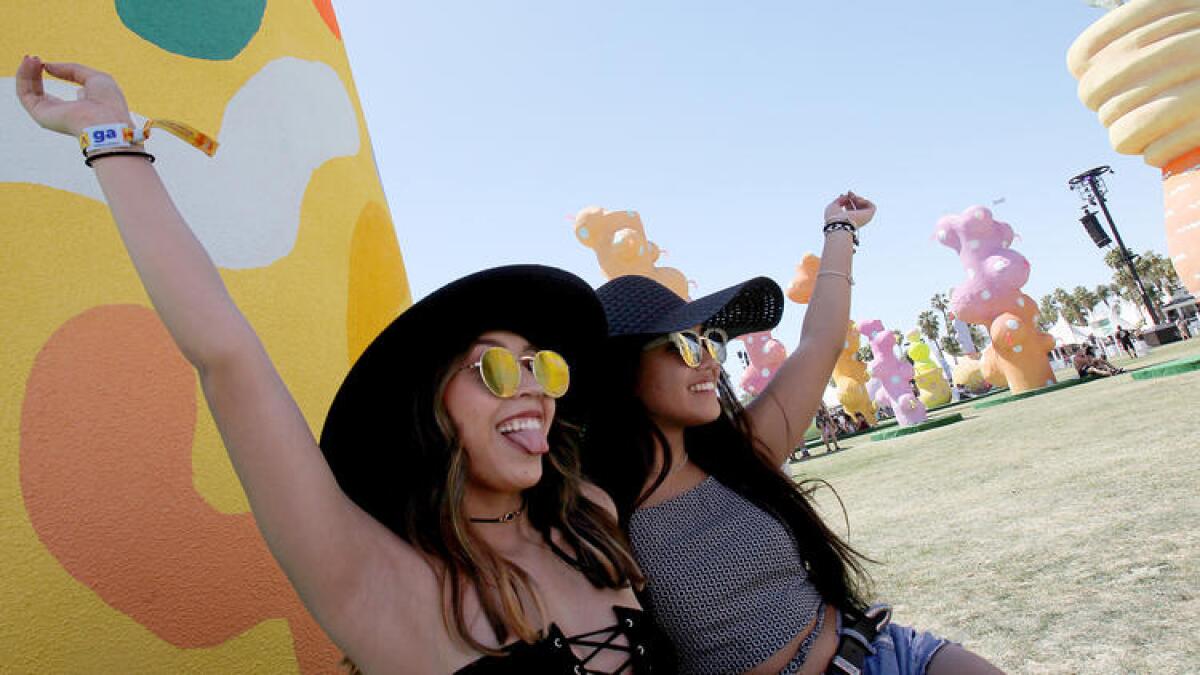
{"x": 836, "y": 424}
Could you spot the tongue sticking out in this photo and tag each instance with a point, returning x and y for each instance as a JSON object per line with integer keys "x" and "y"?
{"x": 531, "y": 440}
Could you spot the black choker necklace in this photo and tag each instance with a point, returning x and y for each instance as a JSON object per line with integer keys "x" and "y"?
{"x": 506, "y": 518}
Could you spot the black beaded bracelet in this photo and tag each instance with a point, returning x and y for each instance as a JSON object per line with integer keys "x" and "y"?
{"x": 127, "y": 153}
{"x": 846, "y": 225}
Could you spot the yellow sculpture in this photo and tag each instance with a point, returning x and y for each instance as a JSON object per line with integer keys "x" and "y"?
{"x": 927, "y": 373}
{"x": 621, "y": 247}
{"x": 1139, "y": 69}
{"x": 968, "y": 374}
{"x": 850, "y": 376}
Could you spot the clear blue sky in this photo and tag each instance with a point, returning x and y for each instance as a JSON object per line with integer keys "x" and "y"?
{"x": 729, "y": 126}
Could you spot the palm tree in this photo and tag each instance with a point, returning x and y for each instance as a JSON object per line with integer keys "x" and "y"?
{"x": 928, "y": 324}
{"x": 1047, "y": 311}
{"x": 1068, "y": 306}
{"x": 950, "y": 346}
{"x": 1156, "y": 271}
{"x": 941, "y": 302}
{"x": 979, "y": 336}
{"x": 1087, "y": 300}
{"x": 1162, "y": 271}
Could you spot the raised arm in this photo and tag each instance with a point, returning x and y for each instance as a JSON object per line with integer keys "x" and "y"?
{"x": 329, "y": 548}
{"x": 784, "y": 409}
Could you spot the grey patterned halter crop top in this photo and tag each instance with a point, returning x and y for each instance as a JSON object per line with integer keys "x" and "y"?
{"x": 724, "y": 579}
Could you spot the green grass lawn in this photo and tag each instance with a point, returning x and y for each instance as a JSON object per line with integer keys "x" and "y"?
{"x": 1054, "y": 534}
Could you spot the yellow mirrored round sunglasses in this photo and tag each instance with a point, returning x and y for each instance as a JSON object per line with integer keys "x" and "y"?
{"x": 689, "y": 344}
{"x": 500, "y": 370}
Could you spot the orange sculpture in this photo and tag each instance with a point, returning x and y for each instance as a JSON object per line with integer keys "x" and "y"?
{"x": 621, "y": 247}
{"x": 1136, "y": 68}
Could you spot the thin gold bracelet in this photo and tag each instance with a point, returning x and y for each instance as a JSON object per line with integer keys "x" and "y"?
{"x": 835, "y": 273}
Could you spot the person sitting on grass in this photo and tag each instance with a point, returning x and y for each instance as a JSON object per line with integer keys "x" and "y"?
{"x": 861, "y": 421}
{"x": 1087, "y": 364}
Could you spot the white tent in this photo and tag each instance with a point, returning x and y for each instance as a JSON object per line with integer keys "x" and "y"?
{"x": 1066, "y": 334}
{"x": 1131, "y": 314}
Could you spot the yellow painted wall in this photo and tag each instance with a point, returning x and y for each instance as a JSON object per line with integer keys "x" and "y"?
{"x": 125, "y": 539}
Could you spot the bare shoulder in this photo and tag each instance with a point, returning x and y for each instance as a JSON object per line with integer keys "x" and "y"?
{"x": 393, "y": 622}
{"x": 594, "y": 494}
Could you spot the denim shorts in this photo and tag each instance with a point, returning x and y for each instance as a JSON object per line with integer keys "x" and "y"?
{"x": 899, "y": 650}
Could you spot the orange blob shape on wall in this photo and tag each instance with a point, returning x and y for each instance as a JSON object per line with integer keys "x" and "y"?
{"x": 106, "y": 475}
{"x": 325, "y": 9}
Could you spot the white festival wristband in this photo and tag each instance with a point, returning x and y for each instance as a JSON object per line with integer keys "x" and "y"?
{"x": 109, "y": 137}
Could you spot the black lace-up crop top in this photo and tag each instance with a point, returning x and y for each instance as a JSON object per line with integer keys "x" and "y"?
{"x": 649, "y": 653}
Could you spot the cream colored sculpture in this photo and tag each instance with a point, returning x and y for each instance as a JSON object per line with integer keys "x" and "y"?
{"x": 1139, "y": 69}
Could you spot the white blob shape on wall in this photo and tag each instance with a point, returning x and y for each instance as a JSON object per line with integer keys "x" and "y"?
{"x": 244, "y": 203}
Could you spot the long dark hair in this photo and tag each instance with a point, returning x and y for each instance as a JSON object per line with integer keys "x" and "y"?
{"x": 619, "y": 454}
{"x": 434, "y": 522}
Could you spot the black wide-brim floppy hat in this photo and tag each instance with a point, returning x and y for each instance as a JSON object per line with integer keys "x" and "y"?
{"x": 373, "y": 439}
{"x": 639, "y": 306}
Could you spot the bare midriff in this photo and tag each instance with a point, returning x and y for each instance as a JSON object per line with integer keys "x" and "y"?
{"x": 819, "y": 655}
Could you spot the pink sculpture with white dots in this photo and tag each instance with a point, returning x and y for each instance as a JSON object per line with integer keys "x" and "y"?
{"x": 991, "y": 295}
{"x": 892, "y": 375}
{"x": 766, "y": 356}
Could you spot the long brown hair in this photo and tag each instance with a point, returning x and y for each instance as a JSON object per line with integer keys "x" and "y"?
{"x": 620, "y": 450}
{"x": 591, "y": 540}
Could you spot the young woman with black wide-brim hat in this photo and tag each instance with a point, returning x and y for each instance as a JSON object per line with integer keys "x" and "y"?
{"x": 441, "y": 525}
{"x": 741, "y": 572}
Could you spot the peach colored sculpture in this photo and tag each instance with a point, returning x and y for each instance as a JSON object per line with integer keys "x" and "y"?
{"x": 992, "y": 296}
{"x": 621, "y": 247}
{"x": 850, "y": 377}
{"x": 801, "y": 288}
{"x": 766, "y": 355}
{"x": 991, "y": 370}
{"x": 1137, "y": 68}
{"x": 893, "y": 375}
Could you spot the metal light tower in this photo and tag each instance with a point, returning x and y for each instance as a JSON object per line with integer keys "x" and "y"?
{"x": 1091, "y": 189}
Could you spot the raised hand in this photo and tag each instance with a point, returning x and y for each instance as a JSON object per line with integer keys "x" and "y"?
{"x": 99, "y": 100}
{"x": 854, "y": 208}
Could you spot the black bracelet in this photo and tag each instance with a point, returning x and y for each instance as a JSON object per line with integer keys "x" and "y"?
{"x": 127, "y": 153}
{"x": 846, "y": 225}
